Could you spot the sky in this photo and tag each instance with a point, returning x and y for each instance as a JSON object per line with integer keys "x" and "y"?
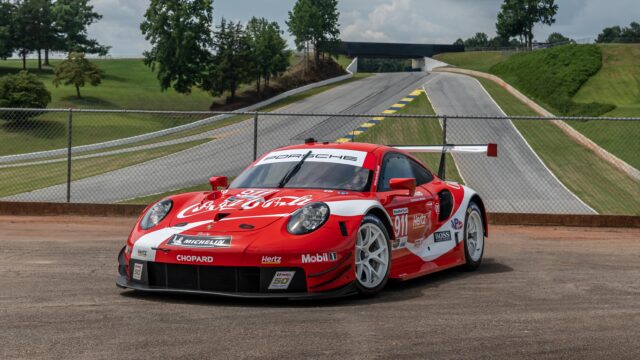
{"x": 409, "y": 21}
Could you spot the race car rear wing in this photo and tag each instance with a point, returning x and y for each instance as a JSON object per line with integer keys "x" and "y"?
{"x": 490, "y": 149}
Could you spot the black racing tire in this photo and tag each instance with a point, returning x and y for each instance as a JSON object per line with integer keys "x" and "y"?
{"x": 363, "y": 289}
{"x": 473, "y": 214}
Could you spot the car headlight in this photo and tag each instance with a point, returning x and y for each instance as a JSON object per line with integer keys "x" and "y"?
{"x": 308, "y": 218}
{"x": 154, "y": 215}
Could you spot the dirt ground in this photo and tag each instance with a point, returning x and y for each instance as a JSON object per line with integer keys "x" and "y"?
{"x": 541, "y": 293}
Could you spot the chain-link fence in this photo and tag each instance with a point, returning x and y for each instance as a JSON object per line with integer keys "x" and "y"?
{"x": 560, "y": 165}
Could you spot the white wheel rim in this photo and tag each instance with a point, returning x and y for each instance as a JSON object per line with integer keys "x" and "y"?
{"x": 475, "y": 236}
{"x": 372, "y": 256}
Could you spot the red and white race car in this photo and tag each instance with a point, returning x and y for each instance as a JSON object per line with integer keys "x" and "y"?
{"x": 311, "y": 220}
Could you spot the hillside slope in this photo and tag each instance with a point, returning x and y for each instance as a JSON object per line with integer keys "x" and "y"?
{"x": 553, "y": 76}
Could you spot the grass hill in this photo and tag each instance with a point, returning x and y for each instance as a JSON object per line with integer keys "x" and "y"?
{"x": 474, "y": 60}
{"x": 618, "y": 82}
{"x": 598, "y": 80}
{"x": 553, "y": 76}
{"x": 128, "y": 84}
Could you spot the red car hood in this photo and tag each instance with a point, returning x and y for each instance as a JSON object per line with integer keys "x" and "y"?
{"x": 249, "y": 209}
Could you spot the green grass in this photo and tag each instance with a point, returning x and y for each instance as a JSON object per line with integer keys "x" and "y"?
{"x": 155, "y": 197}
{"x": 474, "y": 60}
{"x": 128, "y": 84}
{"x": 618, "y": 82}
{"x": 17, "y": 180}
{"x": 49, "y": 131}
{"x": 597, "y": 183}
{"x": 413, "y": 131}
{"x": 553, "y": 76}
{"x": 343, "y": 60}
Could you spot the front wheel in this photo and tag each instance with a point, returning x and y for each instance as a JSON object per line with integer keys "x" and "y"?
{"x": 372, "y": 256}
{"x": 473, "y": 237}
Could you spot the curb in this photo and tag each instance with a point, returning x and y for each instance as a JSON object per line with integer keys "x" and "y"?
{"x": 124, "y": 210}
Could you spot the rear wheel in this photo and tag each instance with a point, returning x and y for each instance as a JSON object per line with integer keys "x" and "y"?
{"x": 473, "y": 237}
{"x": 372, "y": 256}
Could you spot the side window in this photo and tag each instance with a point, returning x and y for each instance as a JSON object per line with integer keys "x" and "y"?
{"x": 394, "y": 166}
{"x": 421, "y": 174}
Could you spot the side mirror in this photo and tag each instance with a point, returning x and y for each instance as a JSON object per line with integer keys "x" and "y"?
{"x": 403, "y": 184}
{"x": 216, "y": 182}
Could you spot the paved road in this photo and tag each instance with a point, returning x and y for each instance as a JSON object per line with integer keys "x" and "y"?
{"x": 542, "y": 293}
{"x": 232, "y": 147}
{"x": 516, "y": 181}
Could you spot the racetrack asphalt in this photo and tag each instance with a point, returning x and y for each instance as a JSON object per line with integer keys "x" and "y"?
{"x": 517, "y": 180}
{"x": 231, "y": 148}
{"x": 541, "y": 293}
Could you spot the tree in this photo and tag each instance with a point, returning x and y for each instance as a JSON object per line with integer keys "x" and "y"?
{"x": 180, "y": 36}
{"x": 518, "y": 18}
{"x": 315, "y": 22}
{"x": 479, "y": 40}
{"x": 300, "y": 24}
{"x": 230, "y": 65}
{"x": 268, "y": 51}
{"x": 26, "y": 24}
{"x": 609, "y": 34}
{"x": 555, "y": 38}
{"x": 23, "y": 90}
{"x": 72, "y": 18}
{"x": 618, "y": 34}
{"x": 459, "y": 42}
{"x": 7, "y": 10}
{"x": 77, "y": 71}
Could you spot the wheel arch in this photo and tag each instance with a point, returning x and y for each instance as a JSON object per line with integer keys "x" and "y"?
{"x": 384, "y": 217}
{"x": 478, "y": 200}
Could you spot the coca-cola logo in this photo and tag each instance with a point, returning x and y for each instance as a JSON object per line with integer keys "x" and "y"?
{"x": 247, "y": 200}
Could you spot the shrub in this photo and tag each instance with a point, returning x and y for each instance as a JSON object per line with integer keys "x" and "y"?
{"x": 23, "y": 90}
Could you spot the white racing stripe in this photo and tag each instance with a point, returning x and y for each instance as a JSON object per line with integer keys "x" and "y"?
{"x": 430, "y": 250}
{"x": 351, "y": 207}
{"x": 337, "y": 156}
{"x": 143, "y": 247}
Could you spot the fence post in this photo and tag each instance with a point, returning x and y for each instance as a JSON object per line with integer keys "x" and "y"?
{"x": 444, "y": 130}
{"x": 69, "y": 143}
{"x": 255, "y": 137}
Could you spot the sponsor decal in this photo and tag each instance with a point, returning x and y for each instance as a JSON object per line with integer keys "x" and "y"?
{"x": 244, "y": 203}
{"x": 441, "y": 236}
{"x": 271, "y": 260}
{"x": 211, "y": 242}
{"x": 137, "y": 271}
{"x": 437, "y": 208}
{"x": 400, "y": 211}
{"x": 281, "y": 280}
{"x": 194, "y": 258}
{"x": 456, "y": 224}
{"x": 142, "y": 252}
{"x": 338, "y": 156}
{"x": 419, "y": 242}
{"x": 419, "y": 221}
{"x": 319, "y": 258}
{"x": 399, "y": 243}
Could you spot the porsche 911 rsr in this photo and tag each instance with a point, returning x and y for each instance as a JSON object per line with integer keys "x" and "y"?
{"x": 311, "y": 220}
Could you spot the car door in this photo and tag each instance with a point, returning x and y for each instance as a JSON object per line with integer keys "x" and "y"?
{"x": 408, "y": 213}
{"x": 425, "y": 218}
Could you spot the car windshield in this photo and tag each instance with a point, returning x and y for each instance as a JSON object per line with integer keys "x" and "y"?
{"x": 311, "y": 175}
